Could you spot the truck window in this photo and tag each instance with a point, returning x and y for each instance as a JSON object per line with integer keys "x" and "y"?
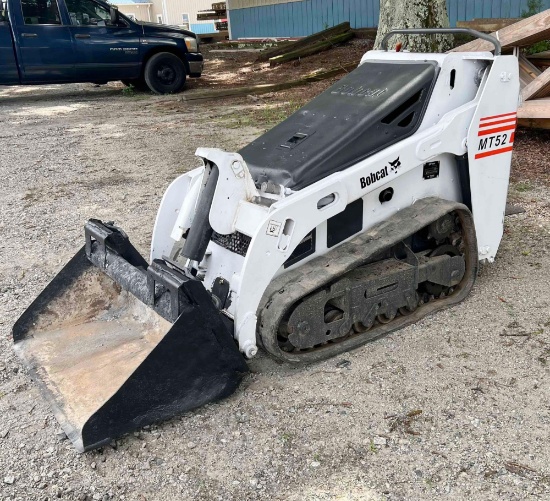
{"x": 40, "y": 12}
{"x": 3, "y": 11}
{"x": 88, "y": 13}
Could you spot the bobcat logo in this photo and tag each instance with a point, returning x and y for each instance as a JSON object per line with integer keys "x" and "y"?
{"x": 381, "y": 174}
{"x": 395, "y": 165}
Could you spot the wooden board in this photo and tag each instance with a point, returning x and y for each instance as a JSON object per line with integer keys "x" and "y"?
{"x": 211, "y": 16}
{"x": 527, "y": 71}
{"x": 535, "y": 113}
{"x": 539, "y": 87}
{"x": 540, "y": 55}
{"x": 525, "y": 32}
{"x": 541, "y": 59}
{"x": 311, "y": 49}
{"x": 304, "y": 42}
{"x": 487, "y": 25}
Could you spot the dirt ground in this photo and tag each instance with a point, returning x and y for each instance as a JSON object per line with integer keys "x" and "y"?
{"x": 234, "y": 69}
{"x": 454, "y": 407}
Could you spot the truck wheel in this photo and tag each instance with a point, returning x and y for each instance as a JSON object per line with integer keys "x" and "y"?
{"x": 137, "y": 83}
{"x": 165, "y": 73}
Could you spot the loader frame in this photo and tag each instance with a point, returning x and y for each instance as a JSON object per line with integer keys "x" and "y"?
{"x": 448, "y": 134}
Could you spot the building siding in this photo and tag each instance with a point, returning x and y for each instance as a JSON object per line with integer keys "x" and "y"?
{"x": 304, "y": 17}
{"x": 142, "y": 12}
{"x": 173, "y": 15}
{"x": 203, "y": 27}
{"x": 244, "y": 4}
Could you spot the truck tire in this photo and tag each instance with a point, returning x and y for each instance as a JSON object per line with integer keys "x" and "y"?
{"x": 137, "y": 83}
{"x": 165, "y": 73}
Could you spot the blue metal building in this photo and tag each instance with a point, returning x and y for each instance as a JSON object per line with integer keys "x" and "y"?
{"x": 297, "y": 18}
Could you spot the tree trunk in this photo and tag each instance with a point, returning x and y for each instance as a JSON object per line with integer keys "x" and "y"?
{"x": 396, "y": 14}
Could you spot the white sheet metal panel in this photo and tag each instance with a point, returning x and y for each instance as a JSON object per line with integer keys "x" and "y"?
{"x": 172, "y": 10}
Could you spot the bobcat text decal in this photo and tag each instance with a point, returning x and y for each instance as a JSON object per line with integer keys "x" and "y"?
{"x": 348, "y": 90}
{"x": 496, "y": 135}
{"x": 380, "y": 174}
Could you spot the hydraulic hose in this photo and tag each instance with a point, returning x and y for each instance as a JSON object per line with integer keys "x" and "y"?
{"x": 200, "y": 232}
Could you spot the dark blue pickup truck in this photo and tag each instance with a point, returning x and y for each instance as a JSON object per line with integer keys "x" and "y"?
{"x": 62, "y": 41}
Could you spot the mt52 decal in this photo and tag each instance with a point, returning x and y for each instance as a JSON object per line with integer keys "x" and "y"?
{"x": 496, "y": 135}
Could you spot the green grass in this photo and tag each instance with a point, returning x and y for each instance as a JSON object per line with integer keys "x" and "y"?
{"x": 265, "y": 115}
{"x": 372, "y": 447}
{"x": 129, "y": 91}
{"x": 534, "y": 7}
{"x": 286, "y": 437}
{"x": 270, "y": 114}
{"x": 523, "y": 187}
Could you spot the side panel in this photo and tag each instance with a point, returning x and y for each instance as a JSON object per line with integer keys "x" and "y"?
{"x": 43, "y": 42}
{"x": 103, "y": 51}
{"x": 169, "y": 211}
{"x": 46, "y": 53}
{"x": 8, "y": 64}
{"x": 490, "y": 143}
{"x": 106, "y": 53}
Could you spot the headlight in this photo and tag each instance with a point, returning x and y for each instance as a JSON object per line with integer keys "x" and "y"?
{"x": 192, "y": 45}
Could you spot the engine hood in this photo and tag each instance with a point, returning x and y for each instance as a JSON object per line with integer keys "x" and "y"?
{"x": 163, "y": 30}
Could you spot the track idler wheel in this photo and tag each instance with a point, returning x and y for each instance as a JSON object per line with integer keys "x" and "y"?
{"x": 412, "y": 305}
{"x": 360, "y": 327}
{"x": 333, "y": 314}
{"x": 386, "y": 318}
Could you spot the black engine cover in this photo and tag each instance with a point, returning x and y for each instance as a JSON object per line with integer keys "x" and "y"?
{"x": 376, "y": 105}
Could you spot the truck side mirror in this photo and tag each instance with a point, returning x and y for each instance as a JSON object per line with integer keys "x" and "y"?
{"x": 114, "y": 15}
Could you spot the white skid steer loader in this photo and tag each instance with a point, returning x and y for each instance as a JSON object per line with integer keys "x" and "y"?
{"x": 361, "y": 213}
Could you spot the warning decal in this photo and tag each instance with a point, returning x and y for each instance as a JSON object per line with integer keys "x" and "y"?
{"x": 496, "y": 135}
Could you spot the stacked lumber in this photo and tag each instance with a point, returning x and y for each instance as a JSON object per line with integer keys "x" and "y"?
{"x": 487, "y": 24}
{"x": 541, "y": 59}
{"x": 527, "y": 71}
{"x": 535, "y": 83}
{"x": 307, "y": 46}
{"x": 218, "y": 11}
{"x": 535, "y": 113}
{"x": 521, "y": 34}
{"x": 538, "y": 87}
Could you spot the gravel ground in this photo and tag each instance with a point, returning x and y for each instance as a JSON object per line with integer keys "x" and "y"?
{"x": 455, "y": 407}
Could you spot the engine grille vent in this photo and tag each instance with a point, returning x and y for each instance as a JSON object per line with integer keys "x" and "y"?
{"x": 236, "y": 242}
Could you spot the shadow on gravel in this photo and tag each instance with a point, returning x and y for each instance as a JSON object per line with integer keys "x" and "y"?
{"x": 45, "y": 94}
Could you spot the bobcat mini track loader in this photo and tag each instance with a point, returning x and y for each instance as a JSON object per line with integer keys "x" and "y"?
{"x": 364, "y": 211}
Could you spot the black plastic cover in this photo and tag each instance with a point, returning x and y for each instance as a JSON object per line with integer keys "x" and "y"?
{"x": 376, "y": 105}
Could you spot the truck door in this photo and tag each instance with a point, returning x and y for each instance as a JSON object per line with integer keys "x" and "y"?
{"x": 8, "y": 65}
{"x": 43, "y": 42}
{"x": 104, "y": 50}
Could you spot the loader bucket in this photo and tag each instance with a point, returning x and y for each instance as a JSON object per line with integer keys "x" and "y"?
{"x": 107, "y": 363}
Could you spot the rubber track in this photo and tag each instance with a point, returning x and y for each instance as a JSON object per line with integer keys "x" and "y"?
{"x": 292, "y": 286}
